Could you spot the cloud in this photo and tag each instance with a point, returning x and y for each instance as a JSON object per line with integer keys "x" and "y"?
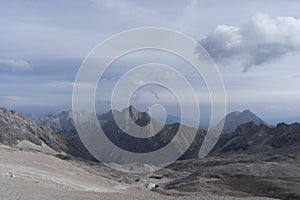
{"x": 260, "y": 41}
{"x": 14, "y": 65}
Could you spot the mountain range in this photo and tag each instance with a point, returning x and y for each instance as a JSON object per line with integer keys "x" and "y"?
{"x": 58, "y": 132}
{"x": 251, "y": 138}
{"x": 63, "y": 124}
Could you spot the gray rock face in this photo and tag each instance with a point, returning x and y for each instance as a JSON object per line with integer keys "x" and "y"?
{"x": 234, "y": 119}
{"x": 251, "y": 138}
{"x": 140, "y": 118}
{"x": 14, "y": 127}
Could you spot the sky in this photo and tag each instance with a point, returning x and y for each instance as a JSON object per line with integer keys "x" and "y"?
{"x": 255, "y": 44}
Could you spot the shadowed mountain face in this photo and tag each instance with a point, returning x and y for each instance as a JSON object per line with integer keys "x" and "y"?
{"x": 149, "y": 144}
{"x": 64, "y": 125}
{"x": 251, "y": 138}
{"x": 234, "y": 119}
{"x": 140, "y": 118}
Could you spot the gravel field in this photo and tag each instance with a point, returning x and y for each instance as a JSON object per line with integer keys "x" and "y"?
{"x": 32, "y": 175}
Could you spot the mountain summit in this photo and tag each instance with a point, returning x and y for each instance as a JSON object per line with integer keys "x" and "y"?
{"x": 234, "y": 119}
{"x": 140, "y": 118}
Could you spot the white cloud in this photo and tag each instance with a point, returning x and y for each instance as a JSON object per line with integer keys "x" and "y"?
{"x": 261, "y": 40}
{"x": 14, "y": 65}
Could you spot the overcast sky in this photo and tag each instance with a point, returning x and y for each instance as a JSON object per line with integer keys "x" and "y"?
{"x": 256, "y": 45}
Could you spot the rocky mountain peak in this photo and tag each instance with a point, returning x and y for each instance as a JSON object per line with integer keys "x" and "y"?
{"x": 140, "y": 118}
{"x": 236, "y": 118}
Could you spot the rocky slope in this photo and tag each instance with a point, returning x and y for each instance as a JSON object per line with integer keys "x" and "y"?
{"x": 251, "y": 138}
{"x": 18, "y": 131}
{"x": 239, "y": 175}
{"x": 15, "y": 128}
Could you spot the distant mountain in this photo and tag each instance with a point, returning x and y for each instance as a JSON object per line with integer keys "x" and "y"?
{"x": 63, "y": 124}
{"x": 234, "y": 119}
{"x": 251, "y": 138}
